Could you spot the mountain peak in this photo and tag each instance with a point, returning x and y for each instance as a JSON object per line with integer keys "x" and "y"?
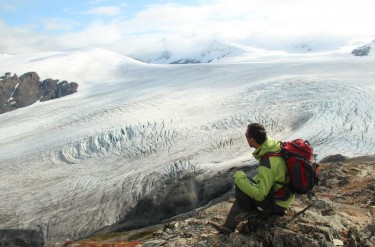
{"x": 216, "y": 46}
{"x": 215, "y": 50}
{"x": 165, "y": 55}
{"x": 303, "y": 47}
{"x": 365, "y": 50}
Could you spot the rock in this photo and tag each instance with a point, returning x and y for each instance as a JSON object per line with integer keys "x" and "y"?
{"x": 326, "y": 231}
{"x": 239, "y": 240}
{"x": 6, "y": 76}
{"x": 333, "y": 176}
{"x": 7, "y": 87}
{"x": 187, "y": 235}
{"x": 338, "y": 242}
{"x": 53, "y": 89}
{"x": 180, "y": 195}
{"x": 307, "y": 228}
{"x": 178, "y": 242}
{"x": 21, "y": 238}
{"x": 334, "y": 158}
{"x": 353, "y": 237}
{"x": 27, "y": 89}
{"x": 287, "y": 238}
{"x": 49, "y": 90}
{"x": 361, "y": 51}
{"x": 154, "y": 243}
{"x": 329, "y": 222}
{"x": 325, "y": 206}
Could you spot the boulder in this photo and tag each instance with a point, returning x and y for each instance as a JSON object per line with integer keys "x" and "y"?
{"x": 27, "y": 91}
{"x": 334, "y": 158}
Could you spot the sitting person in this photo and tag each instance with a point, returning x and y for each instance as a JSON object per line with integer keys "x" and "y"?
{"x": 265, "y": 192}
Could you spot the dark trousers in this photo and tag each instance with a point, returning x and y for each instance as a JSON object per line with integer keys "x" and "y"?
{"x": 244, "y": 203}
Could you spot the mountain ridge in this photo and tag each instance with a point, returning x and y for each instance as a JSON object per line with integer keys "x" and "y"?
{"x": 216, "y": 51}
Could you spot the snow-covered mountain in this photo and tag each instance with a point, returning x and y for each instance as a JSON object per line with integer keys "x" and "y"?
{"x": 303, "y": 47}
{"x": 219, "y": 52}
{"x": 214, "y": 52}
{"x": 365, "y": 50}
{"x": 79, "y": 163}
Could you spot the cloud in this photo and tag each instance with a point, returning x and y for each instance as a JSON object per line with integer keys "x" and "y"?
{"x": 270, "y": 24}
{"x": 96, "y": 34}
{"x": 20, "y": 40}
{"x": 60, "y": 24}
{"x": 103, "y": 10}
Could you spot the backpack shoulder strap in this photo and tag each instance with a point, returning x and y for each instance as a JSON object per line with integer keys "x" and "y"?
{"x": 276, "y": 154}
{"x": 272, "y": 154}
{"x": 264, "y": 160}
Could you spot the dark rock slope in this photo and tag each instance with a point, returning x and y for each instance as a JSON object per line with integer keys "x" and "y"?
{"x": 21, "y": 238}
{"x": 17, "y": 92}
{"x": 341, "y": 214}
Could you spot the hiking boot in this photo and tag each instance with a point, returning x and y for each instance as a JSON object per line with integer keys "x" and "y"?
{"x": 221, "y": 229}
{"x": 243, "y": 228}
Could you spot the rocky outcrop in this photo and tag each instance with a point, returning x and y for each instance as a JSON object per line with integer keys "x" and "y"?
{"x": 21, "y": 238}
{"x": 176, "y": 197}
{"x": 17, "y": 92}
{"x": 342, "y": 213}
{"x": 334, "y": 158}
{"x": 364, "y": 50}
{"x": 361, "y": 51}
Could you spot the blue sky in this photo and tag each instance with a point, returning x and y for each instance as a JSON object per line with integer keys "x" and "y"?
{"x": 133, "y": 27}
{"x": 70, "y": 14}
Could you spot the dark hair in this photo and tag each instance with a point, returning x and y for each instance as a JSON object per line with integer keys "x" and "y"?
{"x": 257, "y": 131}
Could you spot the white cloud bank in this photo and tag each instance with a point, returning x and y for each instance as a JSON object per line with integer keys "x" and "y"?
{"x": 269, "y": 24}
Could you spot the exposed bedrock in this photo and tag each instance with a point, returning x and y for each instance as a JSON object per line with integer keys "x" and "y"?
{"x": 21, "y": 238}
{"x": 17, "y": 92}
{"x": 176, "y": 197}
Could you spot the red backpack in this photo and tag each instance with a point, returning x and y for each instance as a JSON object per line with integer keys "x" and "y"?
{"x": 302, "y": 170}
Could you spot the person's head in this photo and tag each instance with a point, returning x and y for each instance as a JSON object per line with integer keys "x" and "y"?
{"x": 255, "y": 134}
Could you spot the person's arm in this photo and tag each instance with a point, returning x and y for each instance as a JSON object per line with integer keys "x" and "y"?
{"x": 258, "y": 187}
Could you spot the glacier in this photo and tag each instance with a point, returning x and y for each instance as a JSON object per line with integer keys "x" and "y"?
{"x": 76, "y": 164}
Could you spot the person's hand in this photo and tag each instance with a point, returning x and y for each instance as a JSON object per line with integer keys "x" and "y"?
{"x": 239, "y": 175}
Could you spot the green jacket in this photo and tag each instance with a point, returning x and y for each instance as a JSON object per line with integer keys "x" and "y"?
{"x": 269, "y": 171}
